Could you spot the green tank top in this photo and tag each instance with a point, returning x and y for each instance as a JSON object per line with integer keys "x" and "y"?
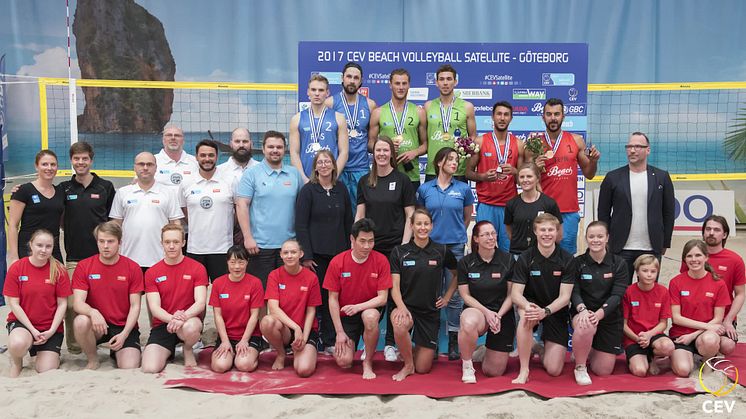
{"x": 435, "y": 132}
{"x": 411, "y": 139}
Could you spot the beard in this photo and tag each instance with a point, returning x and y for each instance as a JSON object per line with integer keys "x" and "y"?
{"x": 712, "y": 241}
{"x": 242, "y": 155}
{"x": 207, "y": 167}
{"x": 351, "y": 88}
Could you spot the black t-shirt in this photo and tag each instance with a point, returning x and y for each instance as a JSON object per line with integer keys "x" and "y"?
{"x": 488, "y": 281}
{"x": 600, "y": 284}
{"x": 385, "y": 205}
{"x": 520, "y": 215}
{"x": 421, "y": 273}
{"x": 543, "y": 276}
{"x": 40, "y": 212}
{"x": 85, "y": 208}
{"x": 323, "y": 219}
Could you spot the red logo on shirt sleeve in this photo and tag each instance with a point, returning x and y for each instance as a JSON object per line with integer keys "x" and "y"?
{"x": 94, "y": 196}
{"x": 608, "y": 275}
{"x": 189, "y": 277}
{"x": 557, "y": 273}
{"x": 374, "y": 275}
{"x": 121, "y": 278}
{"x": 709, "y": 294}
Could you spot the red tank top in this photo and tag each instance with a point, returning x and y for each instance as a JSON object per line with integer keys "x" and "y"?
{"x": 560, "y": 181}
{"x": 503, "y": 189}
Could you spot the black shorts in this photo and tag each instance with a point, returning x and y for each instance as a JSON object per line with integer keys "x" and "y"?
{"x": 636, "y": 349}
{"x": 313, "y": 338}
{"x": 502, "y": 341}
{"x": 162, "y": 337}
{"x": 53, "y": 344}
{"x": 353, "y": 326}
{"x": 254, "y": 342}
{"x": 609, "y": 334}
{"x": 425, "y": 328}
{"x": 132, "y": 341}
{"x": 215, "y": 264}
{"x": 692, "y": 347}
{"x": 555, "y": 327}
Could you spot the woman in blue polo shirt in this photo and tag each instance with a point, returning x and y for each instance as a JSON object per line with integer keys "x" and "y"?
{"x": 450, "y": 202}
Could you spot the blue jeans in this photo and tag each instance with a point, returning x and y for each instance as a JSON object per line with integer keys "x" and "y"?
{"x": 455, "y": 304}
{"x": 570, "y": 221}
{"x": 351, "y": 178}
{"x": 495, "y": 215}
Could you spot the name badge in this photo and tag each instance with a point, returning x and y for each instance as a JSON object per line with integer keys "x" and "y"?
{"x": 657, "y": 305}
{"x": 346, "y": 274}
{"x": 709, "y": 294}
{"x": 374, "y": 274}
{"x": 535, "y": 273}
{"x": 635, "y": 303}
{"x": 608, "y": 275}
{"x": 496, "y": 275}
{"x": 409, "y": 263}
{"x": 392, "y": 186}
{"x": 187, "y": 277}
{"x": 121, "y": 278}
{"x": 487, "y": 154}
{"x": 432, "y": 262}
{"x": 23, "y": 278}
{"x": 281, "y": 286}
{"x": 35, "y": 198}
{"x": 72, "y": 197}
{"x": 160, "y": 279}
{"x": 474, "y": 275}
{"x": 685, "y": 293}
{"x": 224, "y": 296}
{"x": 94, "y": 276}
{"x": 94, "y": 196}
{"x": 722, "y": 268}
{"x": 587, "y": 277}
{"x": 557, "y": 273}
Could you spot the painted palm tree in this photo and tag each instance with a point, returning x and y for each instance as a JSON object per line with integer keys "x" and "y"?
{"x": 735, "y": 139}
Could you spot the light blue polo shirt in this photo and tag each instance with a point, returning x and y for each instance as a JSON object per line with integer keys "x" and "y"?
{"x": 447, "y": 208}
{"x": 272, "y": 210}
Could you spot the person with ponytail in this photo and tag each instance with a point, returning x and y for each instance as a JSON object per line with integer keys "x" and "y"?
{"x": 36, "y": 290}
{"x": 698, "y": 301}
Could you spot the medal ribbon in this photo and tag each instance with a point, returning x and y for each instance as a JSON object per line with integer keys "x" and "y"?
{"x": 399, "y": 122}
{"x": 351, "y": 119}
{"x": 554, "y": 146}
{"x": 502, "y": 158}
{"x": 316, "y": 129}
{"x": 445, "y": 116}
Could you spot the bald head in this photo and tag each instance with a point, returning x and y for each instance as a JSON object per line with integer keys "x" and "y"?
{"x": 145, "y": 167}
{"x": 241, "y": 145}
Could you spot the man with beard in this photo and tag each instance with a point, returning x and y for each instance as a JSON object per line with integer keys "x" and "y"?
{"x": 559, "y": 164}
{"x": 88, "y": 200}
{"x": 207, "y": 202}
{"x": 317, "y": 128}
{"x": 404, "y": 123}
{"x": 448, "y": 118}
{"x": 356, "y": 110}
{"x": 728, "y": 265}
{"x": 494, "y": 169}
{"x": 637, "y": 202}
{"x": 240, "y": 159}
{"x": 174, "y": 164}
{"x": 265, "y": 206}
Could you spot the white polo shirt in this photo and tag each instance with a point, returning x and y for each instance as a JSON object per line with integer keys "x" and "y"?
{"x": 210, "y": 211}
{"x": 143, "y": 214}
{"x": 232, "y": 171}
{"x": 171, "y": 172}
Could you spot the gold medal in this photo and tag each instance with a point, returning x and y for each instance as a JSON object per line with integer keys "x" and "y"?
{"x": 549, "y": 154}
{"x": 445, "y": 137}
{"x": 398, "y": 139}
{"x": 353, "y": 133}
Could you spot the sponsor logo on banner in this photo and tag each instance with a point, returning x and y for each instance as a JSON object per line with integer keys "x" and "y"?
{"x": 499, "y": 80}
{"x": 529, "y": 94}
{"x": 519, "y": 110}
{"x": 558, "y": 79}
{"x": 334, "y": 77}
{"x": 474, "y": 93}
{"x": 575, "y": 109}
{"x": 363, "y": 91}
{"x": 573, "y": 94}
{"x": 302, "y": 106}
{"x": 430, "y": 79}
{"x": 418, "y": 93}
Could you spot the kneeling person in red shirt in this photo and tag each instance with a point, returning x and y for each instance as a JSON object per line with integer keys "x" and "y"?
{"x": 176, "y": 290}
{"x": 292, "y": 297}
{"x": 106, "y": 297}
{"x": 358, "y": 281}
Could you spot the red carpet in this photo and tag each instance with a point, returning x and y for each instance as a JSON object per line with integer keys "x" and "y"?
{"x": 443, "y": 381}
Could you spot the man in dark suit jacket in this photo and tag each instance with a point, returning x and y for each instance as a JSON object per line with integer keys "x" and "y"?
{"x": 637, "y": 202}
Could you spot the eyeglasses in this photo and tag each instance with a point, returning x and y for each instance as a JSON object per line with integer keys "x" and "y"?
{"x": 488, "y": 234}
{"x": 637, "y": 147}
{"x": 323, "y": 163}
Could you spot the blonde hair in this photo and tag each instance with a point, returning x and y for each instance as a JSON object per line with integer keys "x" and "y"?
{"x": 646, "y": 259}
{"x": 55, "y": 266}
{"x": 546, "y": 218}
{"x": 172, "y": 227}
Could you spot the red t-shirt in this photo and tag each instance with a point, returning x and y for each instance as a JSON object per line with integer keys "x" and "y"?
{"x": 35, "y": 291}
{"x": 560, "y": 180}
{"x": 503, "y": 189}
{"x": 295, "y": 293}
{"x": 697, "y": 299}
{"x": 235, "y": 301}
{"x": 109, "y": 286}
{"x": 175, "y": 284}
{"x": 645, "y": 309}
{"x": 729, "y": 267}
{"x": 357, "y": 282}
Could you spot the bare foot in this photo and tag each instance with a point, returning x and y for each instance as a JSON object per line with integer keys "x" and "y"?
{"x": 92, "y": 365}
{"x": 653, "y": 368}
{"x": 279, "y": 361}
{"x": 368, "y": 373}
{"x": 189, "y": 359}
{"x": 522, "y": 378}
{"x": 15, "y": 369}
{"x": 406, "y": 371}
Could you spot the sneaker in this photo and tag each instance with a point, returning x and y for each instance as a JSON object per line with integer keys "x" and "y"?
{"x": 390, "y": 353}
{"x": 329, "y": 350}
{"x": 478, "y": 355}
{"x": 362, "y": 355}
{"x": 467, "y": 375}
{"x": 198, "y": 346}
{"x": 581, "y": 376}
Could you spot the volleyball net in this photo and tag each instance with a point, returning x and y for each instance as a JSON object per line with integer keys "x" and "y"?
{"x": 686, "y": 122}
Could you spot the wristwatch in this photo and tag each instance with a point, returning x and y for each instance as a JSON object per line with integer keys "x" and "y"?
{"x": 581, "y": 308}
{"x": 547, "y": 311}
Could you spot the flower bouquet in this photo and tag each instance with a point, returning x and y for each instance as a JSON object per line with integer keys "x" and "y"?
{"x": 465, "y": 147}
{"x": 536, "y": 146}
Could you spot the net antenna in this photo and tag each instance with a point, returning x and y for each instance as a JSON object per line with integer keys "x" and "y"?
{"x": 71, "y": 87}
